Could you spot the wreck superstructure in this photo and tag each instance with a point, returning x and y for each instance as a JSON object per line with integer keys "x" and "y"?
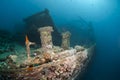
{"x": 66, "y": 40}
{"x": 46, "y": 38}
{"x": 39, "y": 20}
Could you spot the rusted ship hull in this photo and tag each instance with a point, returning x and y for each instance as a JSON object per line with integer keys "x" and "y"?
{"x": 67, "y": 67}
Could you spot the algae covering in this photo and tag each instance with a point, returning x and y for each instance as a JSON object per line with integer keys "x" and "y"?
{"x": 48, "y": 62}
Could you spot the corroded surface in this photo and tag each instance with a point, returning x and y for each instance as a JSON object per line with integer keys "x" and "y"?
{"x": 65, "y": 67}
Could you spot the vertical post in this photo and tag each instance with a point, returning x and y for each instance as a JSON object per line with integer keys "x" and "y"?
{"x": 28, "y": 44}
{"x": 66, "y": 40}
{"x": 46, "y": 38}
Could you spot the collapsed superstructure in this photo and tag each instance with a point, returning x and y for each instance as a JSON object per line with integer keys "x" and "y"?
{"x": 49, "y": 62}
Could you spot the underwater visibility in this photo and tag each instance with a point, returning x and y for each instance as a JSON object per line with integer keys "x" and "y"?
{"x": 59, "y": 40}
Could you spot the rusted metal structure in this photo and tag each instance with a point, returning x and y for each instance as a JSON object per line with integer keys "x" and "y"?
{"x": 39, "y": 20}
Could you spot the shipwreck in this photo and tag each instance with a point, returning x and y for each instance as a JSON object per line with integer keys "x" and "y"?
{"x": 50, "y": 63}
{"x": 54, "y": 59}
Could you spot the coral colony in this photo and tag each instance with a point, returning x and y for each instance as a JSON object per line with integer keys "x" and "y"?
{"x": 50, "y": 62}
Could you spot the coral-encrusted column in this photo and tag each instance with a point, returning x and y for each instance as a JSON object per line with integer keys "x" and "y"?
{"x": 66, "y": 40}
{"x": 46, "y": 38}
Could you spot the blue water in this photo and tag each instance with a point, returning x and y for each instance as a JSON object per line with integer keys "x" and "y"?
{"x": 104, "y": 14}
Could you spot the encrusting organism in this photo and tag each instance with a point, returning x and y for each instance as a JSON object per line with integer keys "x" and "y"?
{"x": 66, "y": 40}
{"x": 46, "y": 38}
{"x": 28, "y": 44}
